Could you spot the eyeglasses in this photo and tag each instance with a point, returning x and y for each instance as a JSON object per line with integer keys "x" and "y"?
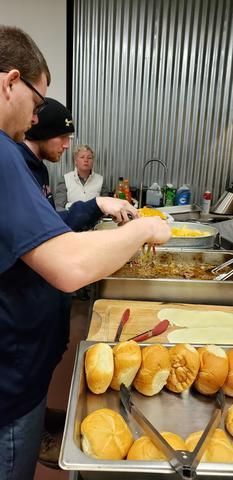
{"x": 40, "y": 107}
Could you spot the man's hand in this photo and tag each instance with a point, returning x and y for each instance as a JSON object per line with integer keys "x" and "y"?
{"x": 119, "y": 209}
{"x": 159, "y": 231}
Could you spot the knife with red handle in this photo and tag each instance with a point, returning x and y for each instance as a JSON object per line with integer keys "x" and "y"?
{"x": 124, "y": 319}
{"x": 157, "y": 330}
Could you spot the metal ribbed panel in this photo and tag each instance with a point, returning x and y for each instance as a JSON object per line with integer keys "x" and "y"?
{"x": 154, "y": 78}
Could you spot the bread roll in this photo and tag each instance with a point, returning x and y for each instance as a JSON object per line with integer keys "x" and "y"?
{"x": 219, "y": 448}
{"x": 228, "y": 385}
{"x": 154, "y": 370}
{"x": 127, "y": 360}
{"x": 176, "y": 442}
{"x": 185, "y": 364}
{"x": 99, "y": 367}
{"x": 213, "y": 369}
{"x": 229, "y": 420}
{"x": 105, "y": 435}
{"x": 144, "y": 449}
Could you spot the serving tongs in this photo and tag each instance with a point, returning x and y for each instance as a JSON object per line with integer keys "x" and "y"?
{"x": 183, "y": 462}
{"x": 148, "y": 250}
{"x": 223, "y": 276}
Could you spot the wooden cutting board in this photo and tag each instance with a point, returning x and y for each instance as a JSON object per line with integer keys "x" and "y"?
{"x": 106, "y": 316}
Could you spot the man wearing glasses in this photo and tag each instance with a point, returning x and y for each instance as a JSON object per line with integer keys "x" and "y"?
{"x": 39, "y": 256}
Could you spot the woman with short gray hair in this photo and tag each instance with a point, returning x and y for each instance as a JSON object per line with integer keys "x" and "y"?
{"x": 82, "y": 183}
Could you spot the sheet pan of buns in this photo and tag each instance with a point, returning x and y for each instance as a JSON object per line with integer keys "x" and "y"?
{"x": 173, "y": 385}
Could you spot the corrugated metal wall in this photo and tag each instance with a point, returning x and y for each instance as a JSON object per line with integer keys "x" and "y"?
{"x": 153, "y": 78}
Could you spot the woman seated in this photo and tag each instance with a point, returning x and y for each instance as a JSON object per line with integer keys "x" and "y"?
{"x": 82, "y": 183}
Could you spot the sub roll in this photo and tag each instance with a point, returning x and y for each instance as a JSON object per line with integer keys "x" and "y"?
{"x": 99, "y": 367}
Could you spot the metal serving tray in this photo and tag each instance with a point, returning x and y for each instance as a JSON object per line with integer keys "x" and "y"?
{"x": 206, "y": 241}
{"x": 179, "y": 413}
{"x": 173, "y": 290}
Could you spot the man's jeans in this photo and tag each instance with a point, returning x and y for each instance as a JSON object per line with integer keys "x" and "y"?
{"x": 20, "y": 444}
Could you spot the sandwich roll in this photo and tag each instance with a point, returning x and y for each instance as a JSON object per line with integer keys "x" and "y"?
{"x": 127, "y": 360}
{"x": 229, "y": 420}
{"x": 99, "y": 367}
{"x": 144, "y": 449}
{"x": 219, "y": 448}
{"x": 228, "y": 385}
{"x": 154, "y": 370}
{"x": 213, "y": 369}
{"x": 174, "y": 440}
{"x": 185, "y": 364}
{"x": 105, "y": 435}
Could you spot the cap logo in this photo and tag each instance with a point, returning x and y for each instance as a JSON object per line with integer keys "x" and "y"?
{"x": 68, "y": 122}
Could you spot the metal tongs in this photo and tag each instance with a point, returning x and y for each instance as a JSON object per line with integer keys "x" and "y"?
{"x": 223, "y": 276}
{"x": 183, "y": 462}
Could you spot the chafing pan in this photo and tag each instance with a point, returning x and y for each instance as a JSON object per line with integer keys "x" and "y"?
{"x": 173, "y": 290}
{"x": 179, "y": 413}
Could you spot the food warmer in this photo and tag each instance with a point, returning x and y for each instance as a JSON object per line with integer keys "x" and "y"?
{"x": 173, "y": 289}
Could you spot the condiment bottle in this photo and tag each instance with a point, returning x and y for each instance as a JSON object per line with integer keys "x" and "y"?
{"x": 127, "y": 191}
{"x": 206, "y": 201}
{"x": 120, "y": 193}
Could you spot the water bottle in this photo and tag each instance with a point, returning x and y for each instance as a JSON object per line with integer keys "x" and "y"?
{"x": 154, "y": 195}
{"x": 183, "y": 195}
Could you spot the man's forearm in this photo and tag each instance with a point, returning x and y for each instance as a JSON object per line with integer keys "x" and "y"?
{"x": 81, "y": 215}
{"x": 72, "y": 260}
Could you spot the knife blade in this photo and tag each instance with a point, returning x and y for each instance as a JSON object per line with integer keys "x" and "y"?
{"x": 157, "y": 330}
{"x": 124, "y": 319}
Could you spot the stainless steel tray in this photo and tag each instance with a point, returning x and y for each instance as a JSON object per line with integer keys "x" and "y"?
{"x": 182, "y": 414}
{"x": 173, "y": 290}
{"x": 207, "y": 241}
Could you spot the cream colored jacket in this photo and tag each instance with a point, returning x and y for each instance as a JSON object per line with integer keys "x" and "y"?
{"x": 70, "y": 189}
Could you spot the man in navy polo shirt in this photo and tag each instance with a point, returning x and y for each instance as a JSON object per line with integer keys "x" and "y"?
{"x": 39, "y": 257}
{"x": 47, "y": 140}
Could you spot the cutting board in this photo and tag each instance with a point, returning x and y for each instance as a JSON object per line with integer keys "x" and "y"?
{"x": 106, "y": 316}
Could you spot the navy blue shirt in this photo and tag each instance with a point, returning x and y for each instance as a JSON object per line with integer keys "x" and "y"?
{"x": 32, "y": 336}
{"x": 81, "y": 215}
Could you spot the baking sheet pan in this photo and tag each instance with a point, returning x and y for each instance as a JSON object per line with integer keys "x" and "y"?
{"x": 179, "y": 413}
